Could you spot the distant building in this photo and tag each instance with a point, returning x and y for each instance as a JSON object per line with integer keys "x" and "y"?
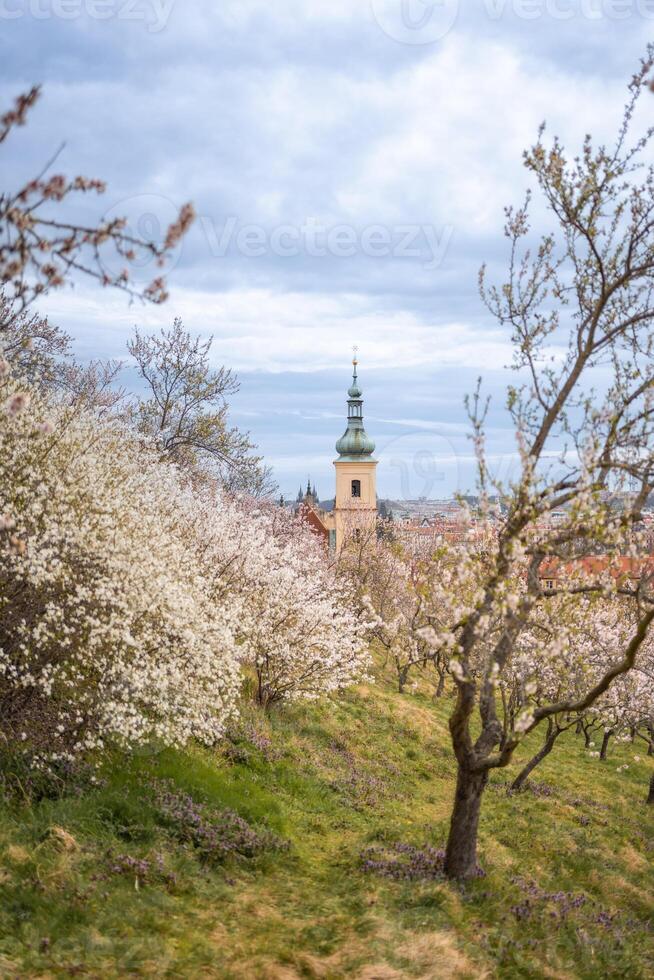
{"x": 554, "y": 573}
{"x": 356, "y": 472}
{"x": 355, "y": 503}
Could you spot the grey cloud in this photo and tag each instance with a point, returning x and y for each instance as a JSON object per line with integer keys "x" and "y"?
{"x": 278, "y": 114}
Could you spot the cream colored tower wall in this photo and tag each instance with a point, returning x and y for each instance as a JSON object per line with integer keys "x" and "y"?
{"x": 354, "y": 512}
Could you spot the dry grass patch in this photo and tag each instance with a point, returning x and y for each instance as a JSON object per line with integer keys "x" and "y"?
{"x": 16, "y": 854}
{"x": 437, "y": 956}
{"x": 379, "y": 971}
{"x": 633, "y": 859}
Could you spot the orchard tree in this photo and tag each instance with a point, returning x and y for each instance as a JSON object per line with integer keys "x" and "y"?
{"x": 626, "y": 706}
{"x": 185, "y": 411}
{"x": 109, "y": 634}
{"x": 389, "y": 596}
{"x": 579, "y": 304}
{"x": 39, "y": 354}
{"x": 299, "y": 632}
{"x": 575, "y": 639}
{"x": 134, "y": 602}
{"x": 37, "y": 350}
{"x": 42, "y": 246}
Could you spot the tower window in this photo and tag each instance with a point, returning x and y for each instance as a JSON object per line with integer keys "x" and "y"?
{"x": 356, "y": 488}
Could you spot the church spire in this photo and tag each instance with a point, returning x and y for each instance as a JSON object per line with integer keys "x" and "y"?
{"x": 355, "y": 443}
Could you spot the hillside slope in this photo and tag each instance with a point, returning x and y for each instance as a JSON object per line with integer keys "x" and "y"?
{"x": 132, "y": 878}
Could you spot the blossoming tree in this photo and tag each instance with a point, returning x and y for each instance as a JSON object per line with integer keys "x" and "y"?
{"x": 186, "y": 411}
{"x": 132, "y": 602}
{"x": 108, "y": 632}
{"x": 42, "y": 245}
{"x": 298, "y": 630}
{"x": 569, "y": 647}
{"x": 389, "y": 587}
{"x": 579, "y": 304}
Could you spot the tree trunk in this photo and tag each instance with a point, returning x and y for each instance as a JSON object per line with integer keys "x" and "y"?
{"x": 461, "y": 853}
{"x": 552, "y": 734}
{"x": 579, "y": 726}
{"x": 605, "y": 744}
{"x": 441, "y": 684}
{"x": 650, "y": 798}
{"x": 588, "y": 730}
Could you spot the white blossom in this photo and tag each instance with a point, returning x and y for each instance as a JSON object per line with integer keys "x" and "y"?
{"x": 135, "y": 602}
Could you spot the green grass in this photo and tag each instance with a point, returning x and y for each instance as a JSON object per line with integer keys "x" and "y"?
{"x": 372, "y": 768}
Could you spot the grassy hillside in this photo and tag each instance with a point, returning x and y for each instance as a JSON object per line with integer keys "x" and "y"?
{"x": 131, "y": 878}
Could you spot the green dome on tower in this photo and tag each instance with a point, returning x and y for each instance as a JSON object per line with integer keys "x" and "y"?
{"x": 354, "y": 391}
{"x": 355, "y": 443}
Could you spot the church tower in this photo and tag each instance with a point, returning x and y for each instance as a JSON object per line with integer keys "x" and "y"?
{"x": 356, "y": 490}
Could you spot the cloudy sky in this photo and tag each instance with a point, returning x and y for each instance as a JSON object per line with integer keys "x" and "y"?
{"x": 349, "y": 161}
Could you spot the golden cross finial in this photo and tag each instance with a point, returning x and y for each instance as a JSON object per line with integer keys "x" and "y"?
{"x": 355, "y": 351}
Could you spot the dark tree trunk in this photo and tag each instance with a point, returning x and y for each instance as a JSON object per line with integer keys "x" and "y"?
{"x": 402, "y": 675}
{"x": 650, "y": 797}
{"x": 461, "y": 853}
{"x": 588, "y": 730}
{"x": 553, "y": 733}
{"x": 605, "y": 744}
{"x": 441, "y": 684}
{"x": 509, "y": 722}
{"x": 579, "y": 726}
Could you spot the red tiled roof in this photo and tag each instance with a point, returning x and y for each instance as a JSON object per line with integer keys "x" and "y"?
{"x": 309, "y": 515}
{"x": 619, "y": 566}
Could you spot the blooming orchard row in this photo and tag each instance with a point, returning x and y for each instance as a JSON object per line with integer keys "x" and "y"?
{"x": 132, "y": 604}
{"x": 573, "y": 636}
